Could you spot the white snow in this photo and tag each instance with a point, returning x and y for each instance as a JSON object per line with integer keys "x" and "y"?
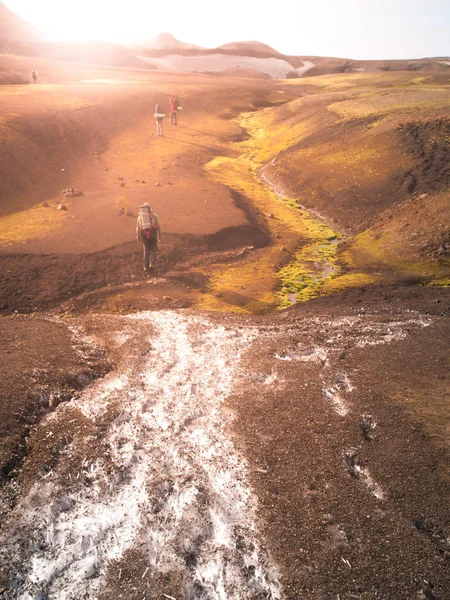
{"x": 173, "y": 483}
{"x": 275, "y": 67}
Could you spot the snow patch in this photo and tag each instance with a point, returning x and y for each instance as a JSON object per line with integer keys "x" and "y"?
{"x": 335, "y": 399}
{"x": 168, "y": 481}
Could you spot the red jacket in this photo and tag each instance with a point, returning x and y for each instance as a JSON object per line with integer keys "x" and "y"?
{"x": 173, "y": 106}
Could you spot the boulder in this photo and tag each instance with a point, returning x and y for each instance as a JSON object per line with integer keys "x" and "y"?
{"x": 61, "y": 207}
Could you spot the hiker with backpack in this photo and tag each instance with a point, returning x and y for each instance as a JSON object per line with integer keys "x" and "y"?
{"x": 174, "y": 106}
{"x": 148, "y": 232}
{"x": 159, "y": 117}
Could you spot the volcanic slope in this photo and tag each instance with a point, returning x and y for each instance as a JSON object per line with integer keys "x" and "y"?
{"x": 370, "y": 154}
{"x": 12, "y": 27}
{"x": 283, "y": 455}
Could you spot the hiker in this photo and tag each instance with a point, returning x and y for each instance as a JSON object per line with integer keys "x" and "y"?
{"x": 34, "y": 76}
{"x": 148, "y": 232}
{"x": 159, "y": 116}
{"x": 173, "y": 110}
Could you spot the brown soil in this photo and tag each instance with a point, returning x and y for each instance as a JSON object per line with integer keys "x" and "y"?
{"x": 332, "y": 538}
{"x": 42, "y": 365}
{"x": 430, "y": 142}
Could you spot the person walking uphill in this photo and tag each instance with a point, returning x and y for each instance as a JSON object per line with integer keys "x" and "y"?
{"x": 173, "y": 110}
{"x": 159, "y": 117}
{"x": 148, "y": 232}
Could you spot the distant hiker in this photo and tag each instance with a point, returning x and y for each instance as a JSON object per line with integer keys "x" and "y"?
{"x": 34, "y": 76}
{"x": 148, "y": 232}
{"x": 174, "y": 105}
{"x": 159, "y": 116}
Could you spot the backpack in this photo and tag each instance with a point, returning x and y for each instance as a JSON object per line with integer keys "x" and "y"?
{"x": 148, "y": 224}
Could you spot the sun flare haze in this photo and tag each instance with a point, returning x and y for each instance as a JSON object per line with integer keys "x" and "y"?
{"x": 348, "y": 28}
{"x": 224, "y": 299}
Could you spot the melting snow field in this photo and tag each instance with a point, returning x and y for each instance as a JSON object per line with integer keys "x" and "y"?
{"x": 173, "y": 485}
{"x": 164, "y": 477}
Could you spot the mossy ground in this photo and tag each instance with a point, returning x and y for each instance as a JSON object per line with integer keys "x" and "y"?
{"x": 264, "y": 281}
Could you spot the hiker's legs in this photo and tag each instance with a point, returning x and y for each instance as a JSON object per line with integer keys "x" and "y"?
{"x": 173, "y": 118}
{"x": 150, "y": 252}
{"x": 153, "y": 251}
{"x": 146, "y": 255}
{"x": 159, "y": 127}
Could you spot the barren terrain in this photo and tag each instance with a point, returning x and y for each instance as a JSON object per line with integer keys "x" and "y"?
{"x": 265, "y": 416}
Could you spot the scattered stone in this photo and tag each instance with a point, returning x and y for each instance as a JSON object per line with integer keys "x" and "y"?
{"x": 45, "y": 204}
{"x": 367, "y": 427}
{"x": 130, "y": 213}
{"x": 283, "y": 249}
{"x": 62, "y": 170}
{"x": 61, "y": 207}
{"x": 423, "y": 196}
{"x": 106, "y": 169}
{"x": 143, "y": 181}
{"x": 352, "y": 463}
{"x": 122, "y": 184}
{"x": 174, "y": 164}
{"x": 157, "y": 184}
{"x": 71, "y": 217}
{"x": 121, "y": 210}
{"x": 169, "y": 183}
{"x": 271, "y": 216}
{"x": 167, "y": 298}
{"x": 120, "y": 178}
{"x": 71, "y": 193}
{"x": 137, "y": 180}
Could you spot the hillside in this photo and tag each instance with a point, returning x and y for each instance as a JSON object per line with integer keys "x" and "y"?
{"x": 265, "y": 413}
{"x": 13, "y": 27}
{"x": 166, "y": 41}
{"x": 250, "y": 49}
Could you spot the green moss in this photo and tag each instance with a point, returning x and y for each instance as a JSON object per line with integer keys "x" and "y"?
{"x": 255, "y": 285}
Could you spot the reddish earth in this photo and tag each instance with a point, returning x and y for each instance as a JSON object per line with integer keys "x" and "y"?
{"x": 319, "y": 515}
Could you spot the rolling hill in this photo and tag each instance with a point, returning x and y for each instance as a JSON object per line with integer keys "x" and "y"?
{"x": 12, "y": 27}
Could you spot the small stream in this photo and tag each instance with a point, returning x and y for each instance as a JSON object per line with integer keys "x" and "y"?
{"x": 315, "y": 262}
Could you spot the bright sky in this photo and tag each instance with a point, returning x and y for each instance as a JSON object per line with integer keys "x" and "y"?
{"x": 361, "y": 29}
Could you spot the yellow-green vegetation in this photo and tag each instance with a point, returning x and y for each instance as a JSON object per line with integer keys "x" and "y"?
{"x": 309, "y": 245}
{"x": 35, "y": 222}
{"x": 402, "y": 101}
{"x": 405, "y": 242}
{"x": 340, "y": 140}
